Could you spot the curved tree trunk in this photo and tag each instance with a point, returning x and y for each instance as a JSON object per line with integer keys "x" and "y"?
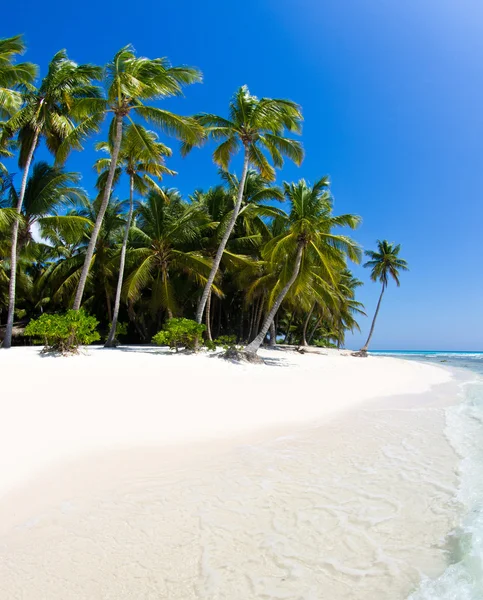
{"x": 111, "y": 339}
{"x": 208, "y": 317}
{"x": 366, "y": 345}
{"x": 224, "y": 240}
{"x": 97, "y": 227}
{"x": 7, "y": 341}
{"x": 253, "y": 346}
{"x": 306, "y": 324}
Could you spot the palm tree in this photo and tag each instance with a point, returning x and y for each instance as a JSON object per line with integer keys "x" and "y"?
{"x": 384, "y": 263}
{"x": 141, "y": 156}
{"x": 251, "y": 229}
{"x": 308, "y": 241}
{"x": 48, "y": 192}
{"x": 63, "y": 276}
{"x": 131, "y": 81}
{"x": 54, "y": 110}
{"x": 257, "y": 125}
{"x": 163, "y": 239}
{"x": 14, "y": 78}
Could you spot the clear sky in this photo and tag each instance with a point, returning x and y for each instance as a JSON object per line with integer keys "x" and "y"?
{"x": 392, "y": 94}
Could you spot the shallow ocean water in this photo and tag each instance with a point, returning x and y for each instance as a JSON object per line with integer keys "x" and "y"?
{"x": 463, "y": 578}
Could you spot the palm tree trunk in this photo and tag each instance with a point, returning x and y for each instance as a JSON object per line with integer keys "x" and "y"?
{"x": 366, "y": 345}
{"x": 208, "y": 317}
{"x": 111, "y": 338}
{"x": 273, "y": 333}
{"x": 306, "y": 324}
{"x": 97, "y": 227}
{"x": 224, "y": 240}
{"x": 314, "y": 329}
{"x": 253, "y": 346}
{"x": 7, "y": 341}
{"x": 259, "y": 314}
{"x": 287, "y": 333}
{"x": 108, "y": 303}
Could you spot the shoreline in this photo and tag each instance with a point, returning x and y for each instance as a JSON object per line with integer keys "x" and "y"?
{"x": 353, "y": 479}
{"x": 175, "y": 404}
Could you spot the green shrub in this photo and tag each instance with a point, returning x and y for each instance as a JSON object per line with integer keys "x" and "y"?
{"x": 64, "y": 332}
{"x": 210, "y": 345}
{"x": 225, "y": 341}
{"x": 121, "y": 329}
{"x": 180, "y": 333}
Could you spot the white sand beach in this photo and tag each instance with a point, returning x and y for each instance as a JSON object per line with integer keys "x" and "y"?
{"x": 133, "y": 473}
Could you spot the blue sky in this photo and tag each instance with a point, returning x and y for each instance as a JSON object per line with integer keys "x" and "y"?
{"x": 392, "y": 94}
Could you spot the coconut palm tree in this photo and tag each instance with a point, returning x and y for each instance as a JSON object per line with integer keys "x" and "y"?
{"x": 48, "y": 192}
{"x": 141, "y": 157}
{"x": 131, "y": 81}
{"x": 63, "y": 276}
{"x": 162, "y": 251}
{"x": 250, "y": 230}
{"x": 308, "y": 241}
{"x": 60, "y": 106}
{"x": 384, "y": 264}
{"x": 14, "y": 78}
{"x": 257, "y": 126}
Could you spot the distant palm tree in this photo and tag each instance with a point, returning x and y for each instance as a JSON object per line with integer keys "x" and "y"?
{"x": 131, "y": 81}
{"x": 384, "y": 263}
{"x": 256, "y": 125}
{"x": 55, "y": 110}
{"x": 308, "y": 241}
{"x": 141, "y": 157}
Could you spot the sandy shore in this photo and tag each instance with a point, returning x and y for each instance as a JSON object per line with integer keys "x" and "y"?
{"x": 137, "y": 474}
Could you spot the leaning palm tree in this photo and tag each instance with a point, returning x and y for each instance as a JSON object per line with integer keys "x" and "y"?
{"x": 384, "y": 263}
{"x": 60, "y": 106}
{"x": 141, "y": 157}
{"x": 130, "y": 82}
{"x": 257, "y": 126}
{"x": 307, "y": 245}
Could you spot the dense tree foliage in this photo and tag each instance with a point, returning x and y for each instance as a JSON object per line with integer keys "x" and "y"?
{"x": 247, "y": 257}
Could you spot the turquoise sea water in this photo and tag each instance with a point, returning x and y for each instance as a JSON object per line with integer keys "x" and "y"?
{"x": 463, "y": 579}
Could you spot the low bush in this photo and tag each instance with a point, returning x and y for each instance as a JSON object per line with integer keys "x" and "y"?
{"x": 223, "y": 341}
{"x": 63, "y": 332}
{"x": 178, "y": 333}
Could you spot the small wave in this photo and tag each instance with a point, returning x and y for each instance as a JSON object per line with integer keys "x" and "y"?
{"x": 463, "y": 580}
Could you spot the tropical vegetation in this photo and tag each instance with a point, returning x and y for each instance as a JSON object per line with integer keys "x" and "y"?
{"x": 245, "y": 261}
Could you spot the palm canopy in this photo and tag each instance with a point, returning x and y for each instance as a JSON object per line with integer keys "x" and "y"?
{"x": 59, "y": 109}
{"x": 258, "y": 125}
{"x": 49, "y": 192}
{"x": 131, "y": 81}
{"x": 162, "y": 250}
{"x": 385, "y": 262}
{"x": 14, "y": 77}
{"x": 141, "y": 156}
{"x": 310, "y": 224}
